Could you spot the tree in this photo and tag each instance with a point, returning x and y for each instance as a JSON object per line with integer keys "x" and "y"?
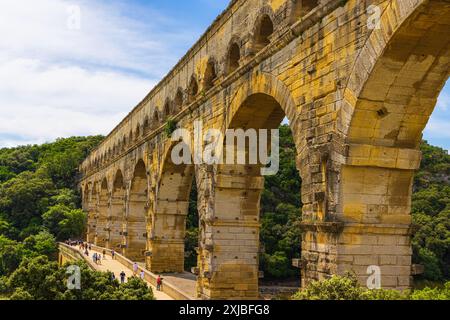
{"x": 65, "y": 222}
{"x": 335, "y": 288}
{"x": 39, "y": 278}
{"x": 11, "y": 254}
{"x": 25, "y": 197}
{"x": 43, "y": 243}
{"x": 347, "y": 288}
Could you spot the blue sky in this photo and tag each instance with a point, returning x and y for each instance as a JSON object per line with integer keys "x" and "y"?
{"x": 60, "y": 81}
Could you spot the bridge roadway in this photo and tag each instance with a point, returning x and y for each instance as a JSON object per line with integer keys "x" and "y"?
{"x": 185, "y": 283}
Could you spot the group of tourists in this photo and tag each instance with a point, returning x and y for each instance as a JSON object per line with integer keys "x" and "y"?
{"x": 82, "y": 246}
{"x": 123, "y": 276}
{"x": 97, "y": 259}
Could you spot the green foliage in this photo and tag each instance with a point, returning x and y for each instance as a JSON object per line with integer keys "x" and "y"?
{"x": 11, "y": 254}
{"x": 431, "y": 214}
{"x": 280, "y": 213}
{"x": 39, "y": 278}
{"x": 277, "y": 265}
{"x": 192, "y": 229}
{"x": 171, "y": 126}
{"x": 21, "y": 294}
{"x": 37, "y": 186}
{"x": 43, "y": 243}
{"x": 65, "y": 222}
{"x": 335, "y": 288}
{"x": 38, "y": 202}
{"x": 25, "y": 197}
{"x": 432, "y": 293}
{"x": 347, "y": 288}
{"x": 190, "y": 243}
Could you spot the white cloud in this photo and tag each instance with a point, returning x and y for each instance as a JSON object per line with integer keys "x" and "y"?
{"x": 58, "y": 82}
{"x": 438, "y": 128}
{"x": 443, "y": 103}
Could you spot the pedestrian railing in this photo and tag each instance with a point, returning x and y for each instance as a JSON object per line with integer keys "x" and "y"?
{"x": 168, "y": 288}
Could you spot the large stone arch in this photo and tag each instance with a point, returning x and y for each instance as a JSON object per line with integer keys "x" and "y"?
{"x": 136, "y": 222}
{"x": 170, "y": 210}
{"x": 117, "y": 211}
{"x": 229, "y": 246}
{"x": 387, "y": 103}
{"x": 264, "y": 83}
{"x": 102, "y": 234}
{"x": 91, "y": 209}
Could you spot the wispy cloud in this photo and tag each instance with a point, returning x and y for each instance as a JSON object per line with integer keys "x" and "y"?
{"x": 59, "y": 81}
{"x": 438, "y": 128}
{"x": 56, "y": 81}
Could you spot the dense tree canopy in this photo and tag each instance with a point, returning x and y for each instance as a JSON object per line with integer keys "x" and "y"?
{"x": 40, "y": 204}
{"x": 347, "y": 288}
{"x": 42, "y": 279}
{"x": 431, "y": 214}
{"x": 38, "y": 188}
{"x": 281, "y": 214}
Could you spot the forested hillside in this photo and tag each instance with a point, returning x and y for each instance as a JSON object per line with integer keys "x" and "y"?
{"x": 38, "y": 188}
{"x": 281, "y": 207}
{"x": 39, "y": 204}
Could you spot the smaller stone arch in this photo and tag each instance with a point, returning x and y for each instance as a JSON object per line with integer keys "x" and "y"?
{"x": 233, "y": 57}
{"x": 137, "y": 132}
{"x": 86, "y": 196}
{"x": 193, "y": 88}
{"x": 130, "y": 137}
{"x": 263, "y": 29}
{"x": 155, "y": 118}
{"x": 178, "y": 100}
{"x": 211, "y": 74}
{"x": 167, "y": 109}
{"x": 146, "y": 125}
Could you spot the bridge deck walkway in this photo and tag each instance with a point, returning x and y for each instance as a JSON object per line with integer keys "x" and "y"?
{"x": 116, "y": 267}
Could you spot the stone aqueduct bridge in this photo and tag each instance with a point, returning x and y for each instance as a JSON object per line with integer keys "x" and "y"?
{"x": 357, "y": 99}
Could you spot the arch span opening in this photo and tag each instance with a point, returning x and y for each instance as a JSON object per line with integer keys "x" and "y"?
{"x": 117, "y": 212}
{"x": 102, "y": 234}
{"x": 264, "y": 30}
{"x": 260, "y": 209}
{"x": 233, "y": 58}
{"x": 136, "y": 227}
{"x": 167, "y": 244}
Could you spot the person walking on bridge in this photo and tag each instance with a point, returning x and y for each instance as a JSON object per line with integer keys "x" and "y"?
{"x": 113, "y": 254}
{"x": 122, "y": 277}
{"x": 135, "y": 268}
{"x": 159, "y": 283}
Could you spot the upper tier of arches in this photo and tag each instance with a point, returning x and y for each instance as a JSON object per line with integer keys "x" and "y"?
{"x": 202, "y": 68}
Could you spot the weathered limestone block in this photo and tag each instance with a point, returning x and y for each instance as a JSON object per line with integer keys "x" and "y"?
{"x": 357, "y": 99}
